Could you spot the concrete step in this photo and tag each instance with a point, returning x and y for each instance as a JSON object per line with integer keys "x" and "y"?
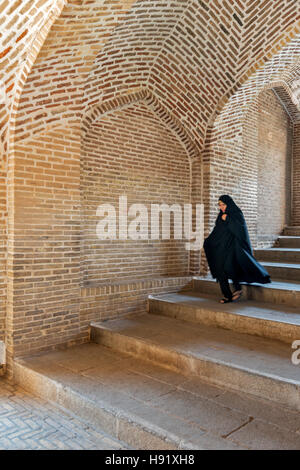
{"x": 283, "y": 255}
{"x": 292, "y": 230}
{"x": 279, "y": 270}
{"x": 262, "y": 319}
{"x": 153, "y": 407}
{"x": 288, "y": 242}
{"x": 260, "y": 366}
{"x": 282, "y": 292}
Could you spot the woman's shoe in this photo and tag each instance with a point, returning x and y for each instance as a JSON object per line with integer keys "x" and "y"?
{"x": 225, "y": 301}
{"x": 236, "y": 295}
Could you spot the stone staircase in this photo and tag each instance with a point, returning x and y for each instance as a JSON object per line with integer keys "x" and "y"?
{"x": 283, "y": 261}
{"x": 292, "y": 231}
{"x": 190, "y": 373}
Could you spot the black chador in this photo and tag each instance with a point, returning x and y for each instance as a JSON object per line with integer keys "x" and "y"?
{"x": 228, "y": 250}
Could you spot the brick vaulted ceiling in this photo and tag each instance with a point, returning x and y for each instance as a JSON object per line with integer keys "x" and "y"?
{"x": 20, "y": 22}
{"x": 190, "y": 54}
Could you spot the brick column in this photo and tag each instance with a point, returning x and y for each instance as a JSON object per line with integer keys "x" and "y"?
{"x": 44, "y": 243}
{"x": 296, "y": 175}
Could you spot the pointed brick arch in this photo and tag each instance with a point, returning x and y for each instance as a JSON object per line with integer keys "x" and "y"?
{"x": 143, "y": 95}
{"x": 29, "y": 61}
{"x": 95, "y": 113}
{"x": 289, "y": 35}
{"x": 251, "y": 157}
{"x": 230, "y": 144}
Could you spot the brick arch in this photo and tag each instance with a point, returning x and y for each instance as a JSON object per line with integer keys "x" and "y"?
{"x": 95, "y": 112}
{"x": 32, "y": 54}
{"x": 229, "y": 145}
{"x": 250, "y": 60}
{"x": 18, "y": 48}
{"x": 161, "y": 64}
{"x": 250, "y": 156}
{"x": 288, "y": 100}
{"x": 286, "y": 37}
{"x": 134, "y": 150}
{"x": 181, "y": 102}
{"x": 173, "y": 124}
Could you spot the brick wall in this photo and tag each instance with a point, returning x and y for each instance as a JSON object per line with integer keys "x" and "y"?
{"x": 3, "y": 240}
{"x": 107, "y": 52}
{"x": 203, "y": 63}
{"x": 124, "y": 297}
{"x": 296, "y": 176}
{"x": 20, "y": 22}
{"x": 231, "y": 151}
{"x": 56, "y": 254}
{"x": 275, "y": 139}
{"x": 44, "y": 230}
{"x": 130, "y": 152}
{"x": 24, "y": 26}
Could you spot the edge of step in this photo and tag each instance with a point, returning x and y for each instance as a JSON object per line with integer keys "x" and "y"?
{"x": 132, "y": 428}
{"x": 282, "y": 292}
{"x": 285, "y": 241}
{"x": 287, "y": 237}
{"x": 278, "y": 254}
{"x": 117, "y": 423}
{"x": 211, "y": 369}
{"x": 254, "y": 318}
{"x": 282, "y": 264}
{"x": 283, "y": 270}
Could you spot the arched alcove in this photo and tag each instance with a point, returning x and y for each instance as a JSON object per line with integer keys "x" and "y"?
{"x": 130, "y": 152}
{"x": 231, "y": 150}
{"x": 82, "y": 55}
{"x": 274, "y": 156}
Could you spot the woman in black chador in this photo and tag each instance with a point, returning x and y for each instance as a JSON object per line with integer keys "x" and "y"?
{"x": 229, "y": 253}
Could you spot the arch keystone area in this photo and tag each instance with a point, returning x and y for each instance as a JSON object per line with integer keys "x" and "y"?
{"x": 94, "y": 113}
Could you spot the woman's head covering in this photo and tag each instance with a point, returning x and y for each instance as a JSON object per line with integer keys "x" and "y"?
{"x": 231, "y": 205}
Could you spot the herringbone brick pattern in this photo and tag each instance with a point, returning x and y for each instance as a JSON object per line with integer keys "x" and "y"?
{"x": 28, "y": 422}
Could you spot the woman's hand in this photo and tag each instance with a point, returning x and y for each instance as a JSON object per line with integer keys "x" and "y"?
{"x": 224, "y": 216}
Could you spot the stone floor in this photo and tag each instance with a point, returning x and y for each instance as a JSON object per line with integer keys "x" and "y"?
{"x": 30, "y": 423}
{"x": 185, "y": 410}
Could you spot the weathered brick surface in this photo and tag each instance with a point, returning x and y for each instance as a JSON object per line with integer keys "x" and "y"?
{"x": 202, "y": 68}
{"x": 102, "y": 301}
{"x": 20, "y": 22}
{"x": 296, "y": 176}
{"x": 233, "y": 147}
{"x": 170, "y": 63}
{"x": 129, "y": 152}
{"x": 275, "y": 137}
{"x": 26, "y": 27}
{"x": 44, "y": 231}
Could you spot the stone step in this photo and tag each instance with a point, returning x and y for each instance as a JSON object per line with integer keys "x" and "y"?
{"x": 284, "y": 255}
{"x": 288, "y": 242}
{"x": 256, "y": 318}
{"x": 260, "y": 366}
{"x": 282, "y": 292}
{"x": 292, "y": 230}
{"x": 151, "y": 407}
{"x": 277, "y": 270}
